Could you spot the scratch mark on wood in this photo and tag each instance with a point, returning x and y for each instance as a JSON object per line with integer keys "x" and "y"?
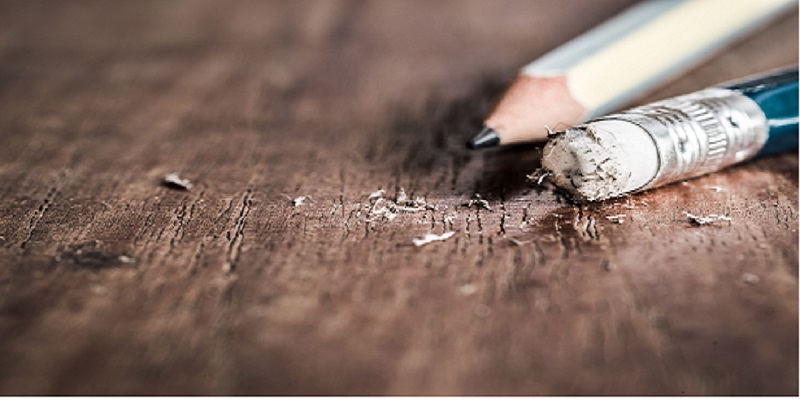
{"x": 44, "y": 206}
{"x": 237, "y": 236}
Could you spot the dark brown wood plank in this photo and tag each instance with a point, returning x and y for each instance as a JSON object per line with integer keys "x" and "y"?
{"x": 113, "y": 284}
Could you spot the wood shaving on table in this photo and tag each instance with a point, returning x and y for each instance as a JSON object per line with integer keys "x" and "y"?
{"x": 382, "y": 210}
{"x": 537, "y": 177}
{"x": 376, "y": 194}
{"x": 432, "y": 237}
{"x": 468, "y": 289}
{"x": 750, "y": 279}
{"x": 173, "y": 181}
{"x": 386, "y": 209}
{"x": 478, "y": 202}
{"x": 416, "y": 205}
{"x": 299, "y": 200}
{"x": 619, "y": 218}
{"x": 705, "y": 220}
{"x": 401, "y": 196}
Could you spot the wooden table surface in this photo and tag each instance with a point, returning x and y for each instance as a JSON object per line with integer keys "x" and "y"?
{"x": 111, "y": 283}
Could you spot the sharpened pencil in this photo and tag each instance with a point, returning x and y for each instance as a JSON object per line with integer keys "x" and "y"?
{"x": 611, "y": 64}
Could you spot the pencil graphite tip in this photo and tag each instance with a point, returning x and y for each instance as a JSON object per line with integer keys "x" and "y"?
{"x": 486, "y": 138}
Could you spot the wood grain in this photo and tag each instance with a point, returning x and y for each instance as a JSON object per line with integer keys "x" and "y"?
{"x": 113, "y": 284}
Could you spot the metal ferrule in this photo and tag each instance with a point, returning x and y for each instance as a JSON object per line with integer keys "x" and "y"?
{"x": 700, "y": 132}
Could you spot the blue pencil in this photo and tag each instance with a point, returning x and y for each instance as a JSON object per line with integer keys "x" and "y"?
{"x": 776, "y": 94}
{"x": 676, "y": 139}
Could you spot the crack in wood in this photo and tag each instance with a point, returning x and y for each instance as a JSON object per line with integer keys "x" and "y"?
{"x": 182, "y": 219}
{"x": 236, "y": 233}
{"x": 503, "y": 214}
{"x": 196, "y": 256}
{"x": 44, "y": 206}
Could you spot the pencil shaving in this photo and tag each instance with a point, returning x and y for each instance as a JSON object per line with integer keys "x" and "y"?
{"x": 431, "y": 237}
{"x": 376, "y": 194}
{"x": 299, "y": 200}
{"x": 401, "y": 196}
{"x": 172, "y": 180}
{"x": 709, "y": 219}
{"x": 382, "y": 210}
{"x": 468, "y": 289}
{"x": 386, "y": 209}
{"x": 478, "y": 202}
{"x": 750, "y": 278}
{"x": 538, "y": 176}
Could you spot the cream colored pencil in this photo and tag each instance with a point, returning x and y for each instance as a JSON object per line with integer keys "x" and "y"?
{"x": 608, "y": 66}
